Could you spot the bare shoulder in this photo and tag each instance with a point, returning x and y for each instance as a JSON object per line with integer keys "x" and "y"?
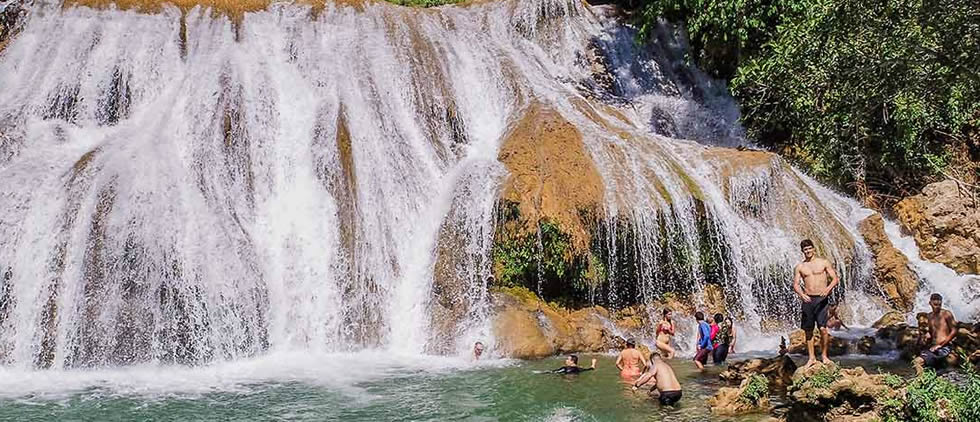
{"x": 826, "y": 263}
{"x": 948, "y": 314}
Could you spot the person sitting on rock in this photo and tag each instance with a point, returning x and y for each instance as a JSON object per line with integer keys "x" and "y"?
{"x": 666, "y": 384}
{"x": 724, "y": 341}
{"x": 571, "y": 366}
{"x": 631, "y": 362}
{"x": 704, "y": 346}
{"x": 834, "y": 322}
{"x": 942, "y": 331}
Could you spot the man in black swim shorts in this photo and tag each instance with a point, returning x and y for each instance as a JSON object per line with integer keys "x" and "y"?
{"x": 663, "y": 375}
{"x": 814, "y": 272}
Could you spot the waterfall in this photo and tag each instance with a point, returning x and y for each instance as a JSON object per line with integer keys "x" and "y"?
{"x": 186, "y": 187}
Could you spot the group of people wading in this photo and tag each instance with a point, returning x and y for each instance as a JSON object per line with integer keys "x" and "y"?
{"x": 814, "y": 280}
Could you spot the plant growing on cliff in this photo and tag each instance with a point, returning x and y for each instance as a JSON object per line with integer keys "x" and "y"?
{"x": 865, "y": 95}
{"x": 756, "y": 389}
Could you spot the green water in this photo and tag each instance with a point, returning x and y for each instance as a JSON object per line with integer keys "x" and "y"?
{"x": 328, "y": 388}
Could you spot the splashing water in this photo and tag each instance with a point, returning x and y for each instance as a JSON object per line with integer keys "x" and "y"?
{"x": 186, "y": 188}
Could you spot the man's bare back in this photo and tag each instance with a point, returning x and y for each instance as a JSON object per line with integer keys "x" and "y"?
{"x": 630, "y": 362}
{"x": 666, "y": 380}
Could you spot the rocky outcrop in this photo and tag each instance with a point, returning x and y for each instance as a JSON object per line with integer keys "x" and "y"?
{"x": 839, "y": 395}
{"x": 898, "y": 282}
{"x": 889, "y": 319}
{"x": 945, "y": 223}
{"x": 11, "y": 20}
{"x": 527, "y": 328}
{"x": 552, "y": 176}
{"x": 797, "y": 344}
{"x": 751, "y": 396}
{"x": 779, "y": 370}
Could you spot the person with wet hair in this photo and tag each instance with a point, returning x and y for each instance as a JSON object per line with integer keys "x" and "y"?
{"x": 571, "y": 366}
{"x": 477, "y": 350}
{"x": 665, "y": 330}
{"x": 631, "y": 362}
{"x": 666, "y": 382}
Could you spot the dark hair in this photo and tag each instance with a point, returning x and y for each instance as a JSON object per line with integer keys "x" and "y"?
{"x": 805, "y": 243}
{"x": 719, "y": 318}
{"x": 666, "y": 311}
{"x": 699, "y": 316}
{"x": 574, "y": 359}
{"x": 936, "y": 296}
{"x": 479, "y": 343}
{"x": 654, "y": 354}
{"x": 630, "y": 342}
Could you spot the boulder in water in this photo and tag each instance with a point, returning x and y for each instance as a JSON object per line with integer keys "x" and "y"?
{"x": 797, "y": 343}
{"x": 528, "y": 328}
{"x": 779, "y": 370}
{"x": 889, "y": 319}
{"x": 751, "y": 396}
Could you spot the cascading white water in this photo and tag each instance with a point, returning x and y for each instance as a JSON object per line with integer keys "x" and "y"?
{"x": 187, "y": 188}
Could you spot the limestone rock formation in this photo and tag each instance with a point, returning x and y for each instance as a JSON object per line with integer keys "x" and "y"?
{"x": 945, "y": 223}
{"x": 889, "y": 319}
{"x": 779, "y": 370}
{"x": 840, "y": 394}
{"x": 797, "y": 344}
{"x": 528, "y": 328}
{"x": 898, "y": 282}
{"x": 731, "y": 401}
{"x": 552, "y": 176}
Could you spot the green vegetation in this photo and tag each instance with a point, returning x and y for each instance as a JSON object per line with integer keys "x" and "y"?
{"x": 824, "y": 377}
{"x": 871, "y": 96}
{"x": 423, "y": 3}
{"x": 755, "y": 390}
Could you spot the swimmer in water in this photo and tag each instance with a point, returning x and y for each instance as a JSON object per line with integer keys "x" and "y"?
{"x": 631, "y": 362}
{"x": 571, "y": 366}
{"x": 666, "y": 382}
{"x": 477, "y": 350}
{"x": 664, "y": 332}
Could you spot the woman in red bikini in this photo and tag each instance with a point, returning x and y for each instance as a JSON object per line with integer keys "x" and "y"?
{"x": 665, "y": 330}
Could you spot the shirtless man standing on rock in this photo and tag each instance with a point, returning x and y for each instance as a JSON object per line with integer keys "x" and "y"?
{"x": 942, "y": 331}
{"x": 814, "y": 292}
{"x": 631, "y": 362}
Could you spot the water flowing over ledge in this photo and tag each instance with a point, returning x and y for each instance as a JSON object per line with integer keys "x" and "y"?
{"x": 185, "y": 187}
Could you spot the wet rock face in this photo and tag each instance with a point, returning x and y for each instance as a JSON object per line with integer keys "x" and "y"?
{"x": 945, "y": 223}
{"x": 840, "y": 394}
{"x": 730, "y": 401}
{"x": 779, "y": 370}
{"x": 11, "y": 19}
{"x": 891, "y": 269}
{"x": 528, "y": 328}
{"x": 797, "y": 344}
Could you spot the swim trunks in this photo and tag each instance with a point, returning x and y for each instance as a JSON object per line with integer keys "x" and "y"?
{"x": 668, "y": 398}
{"x": 814, "y": 312}
{"x": 935, "y": 359}
{"x": 702, "y": 356}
